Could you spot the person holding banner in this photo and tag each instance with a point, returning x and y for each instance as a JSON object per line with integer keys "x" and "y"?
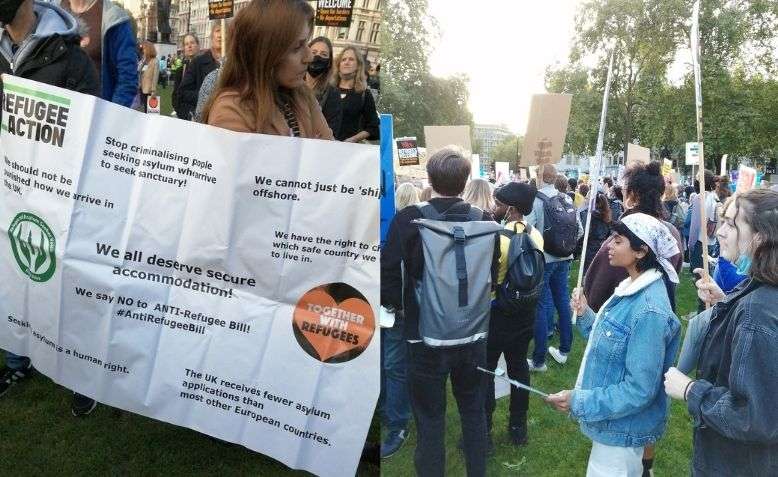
{"x": 33, "y": 35}
{"x": 149, "y": 74}
{"x": 618, "y": 397}
{"x": 262, "y": 88}
{"x": 318, "y": 79}
{"x": 732, "y": 401}
{"x": 360, "y": 119}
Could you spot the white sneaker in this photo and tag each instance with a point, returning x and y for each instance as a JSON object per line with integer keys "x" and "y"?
{"x": 536, "y": 369}
{"x": 558, "y": 356}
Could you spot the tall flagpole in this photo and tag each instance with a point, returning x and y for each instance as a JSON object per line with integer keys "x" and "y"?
{"x": 696, "y": 60}
{"x": 594, "y": 175}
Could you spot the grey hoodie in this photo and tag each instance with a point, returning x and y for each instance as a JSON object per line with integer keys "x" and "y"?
{"x": 50, "y": 20}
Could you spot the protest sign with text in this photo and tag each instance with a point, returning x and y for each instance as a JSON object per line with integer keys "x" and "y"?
{"x": 334, "y": 13}
{"x": 220, "y": 9}
{"x": 546, "y": 129}
{"x": 187, "y": 276}
{"x": 407, "y": 151}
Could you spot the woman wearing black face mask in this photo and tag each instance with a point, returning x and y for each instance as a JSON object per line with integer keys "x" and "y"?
{"x": 318, "y": 79}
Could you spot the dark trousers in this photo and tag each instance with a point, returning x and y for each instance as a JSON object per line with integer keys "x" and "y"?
{"x": 428, "y": 370}
{"x": 510, "y": 334}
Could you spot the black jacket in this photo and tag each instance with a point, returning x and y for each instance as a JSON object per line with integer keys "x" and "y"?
{"x": 178, "y": 76}
{"x": 332, "y": 108}
{"x": 599, "y": 231}
{"x": 58, "y": 61}
{"x": 403, "y": 244}
{"x": 189, "y": 88}
{"x": 733, "y": 403}
{"x": 359, "y": 114}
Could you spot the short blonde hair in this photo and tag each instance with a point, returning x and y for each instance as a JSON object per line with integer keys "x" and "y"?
{"x": 405, "y": 195}
{"x": 478, "y": 192}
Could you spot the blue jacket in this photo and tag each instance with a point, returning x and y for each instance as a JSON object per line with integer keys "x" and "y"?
{"x": 119, "y": 72}
{"x": 119, "y": 68}
{"x": 619, "y": 399}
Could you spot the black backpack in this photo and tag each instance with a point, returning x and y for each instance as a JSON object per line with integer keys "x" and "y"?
{"x": 560, "y": 230}
{"x": 520, "y": 289}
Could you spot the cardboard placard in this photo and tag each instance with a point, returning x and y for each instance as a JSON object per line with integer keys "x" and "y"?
{"x": 334, "y": 13}
{"x": 546, "y": 129}
{"x": 667, "y": 167}
{"x": 408, "y": 151}
{"x": 638, "y": 154}
{"x": 438, "y": 137}
{"x": 692, "y": 154}
{"x": 220, "y": 9}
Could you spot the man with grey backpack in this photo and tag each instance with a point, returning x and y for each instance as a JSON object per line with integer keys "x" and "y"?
{"x": 450, "y": 254}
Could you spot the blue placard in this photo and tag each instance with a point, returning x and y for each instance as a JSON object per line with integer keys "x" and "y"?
{"x": 387, "y": 174}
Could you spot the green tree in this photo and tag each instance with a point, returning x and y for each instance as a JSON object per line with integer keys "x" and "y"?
{"x": 413, "y": 96}
{"x": 508, "y": 151}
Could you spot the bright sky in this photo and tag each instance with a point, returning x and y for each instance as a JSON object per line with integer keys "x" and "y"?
{"x": 504, "y": 46}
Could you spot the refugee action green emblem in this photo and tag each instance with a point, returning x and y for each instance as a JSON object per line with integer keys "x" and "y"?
{"x": 33, "y": 246}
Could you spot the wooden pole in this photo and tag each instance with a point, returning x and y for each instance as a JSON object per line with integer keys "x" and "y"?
{"x": 696, "y": 60}
{"x": 594, "y": 174}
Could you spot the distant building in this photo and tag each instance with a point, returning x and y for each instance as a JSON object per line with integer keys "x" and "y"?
{"x": 364, "y": 32}
{"x": 489, "y": 136}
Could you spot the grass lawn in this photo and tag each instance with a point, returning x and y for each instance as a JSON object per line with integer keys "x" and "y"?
{"x": 38, "y": 436}
{"x": 556, "y": 446}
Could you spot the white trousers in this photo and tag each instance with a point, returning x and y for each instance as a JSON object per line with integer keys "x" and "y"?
{"x": 611, "y": 461}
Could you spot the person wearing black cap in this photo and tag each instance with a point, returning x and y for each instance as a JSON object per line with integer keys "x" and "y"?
{"x": 511, "y": 332}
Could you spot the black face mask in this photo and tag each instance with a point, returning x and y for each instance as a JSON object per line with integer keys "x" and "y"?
{"x": 318, "y": 66}
{"x": 8, "y": 9}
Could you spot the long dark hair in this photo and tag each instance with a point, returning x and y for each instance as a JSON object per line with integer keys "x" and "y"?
{"x": 264, "y": 30}
{"x": 601, "y": 205}
{"x": 645, "y": 182}
{"x": 321, "y": 82}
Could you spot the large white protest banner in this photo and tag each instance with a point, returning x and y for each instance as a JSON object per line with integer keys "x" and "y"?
{"x": 220, "y": 281}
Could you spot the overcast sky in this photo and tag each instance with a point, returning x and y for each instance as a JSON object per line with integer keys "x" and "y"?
{"x": 504, "y": 46}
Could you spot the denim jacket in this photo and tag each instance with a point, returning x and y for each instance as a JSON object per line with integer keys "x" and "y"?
{"x": 619, "y": 399}
{"x": 734, "y": 402}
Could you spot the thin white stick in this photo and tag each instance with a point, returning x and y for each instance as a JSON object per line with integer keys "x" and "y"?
{"x": 513, "y": 382}
{"x": 594, "y": 176}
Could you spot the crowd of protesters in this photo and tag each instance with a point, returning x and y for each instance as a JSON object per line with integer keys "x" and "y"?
{"x": 642, "y": 229}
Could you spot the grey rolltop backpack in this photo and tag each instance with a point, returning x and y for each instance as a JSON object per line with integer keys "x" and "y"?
{"x": 454, "y": 293}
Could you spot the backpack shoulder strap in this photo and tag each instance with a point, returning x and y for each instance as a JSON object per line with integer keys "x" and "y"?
{"x": 542, "y": 196}
{"x": 428, "y": 211}
{"x": 475, "y": 214}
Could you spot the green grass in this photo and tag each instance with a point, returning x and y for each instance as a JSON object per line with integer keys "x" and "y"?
{"x": 556, "y": 446}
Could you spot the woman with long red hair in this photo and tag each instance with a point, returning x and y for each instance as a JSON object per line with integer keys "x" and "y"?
{"x": 262, "y": 86}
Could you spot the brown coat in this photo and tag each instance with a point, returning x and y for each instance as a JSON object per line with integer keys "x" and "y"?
{"x": 227, "y": 113}
{"x": 602, "y": 279}
{"x": 149, "y": 77}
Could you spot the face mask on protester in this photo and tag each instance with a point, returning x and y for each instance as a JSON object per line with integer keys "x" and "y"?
{"x": 318, "y": 66}
{"x": 8, "y": 9}
{"x": 743, "y": 264}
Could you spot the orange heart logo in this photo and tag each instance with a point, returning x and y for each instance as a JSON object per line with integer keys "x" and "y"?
{"x": 333, "y": 323}
{"x": 153, "y": 102}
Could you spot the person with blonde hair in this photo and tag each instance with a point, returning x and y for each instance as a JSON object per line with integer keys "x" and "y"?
{"x": 405, "y": 195}
{"x": 426, "y": 194}
{"x": 478, "y": 192}
{"x": 149, "y": 75}
{"x": 262, "y": 87}
{"x": 360, "y": 119}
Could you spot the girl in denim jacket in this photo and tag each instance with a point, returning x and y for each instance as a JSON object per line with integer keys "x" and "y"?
{"x": 618, "y": 398}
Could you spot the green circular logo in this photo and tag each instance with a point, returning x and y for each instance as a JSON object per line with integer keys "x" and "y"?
{"x": 33, "y": 246}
